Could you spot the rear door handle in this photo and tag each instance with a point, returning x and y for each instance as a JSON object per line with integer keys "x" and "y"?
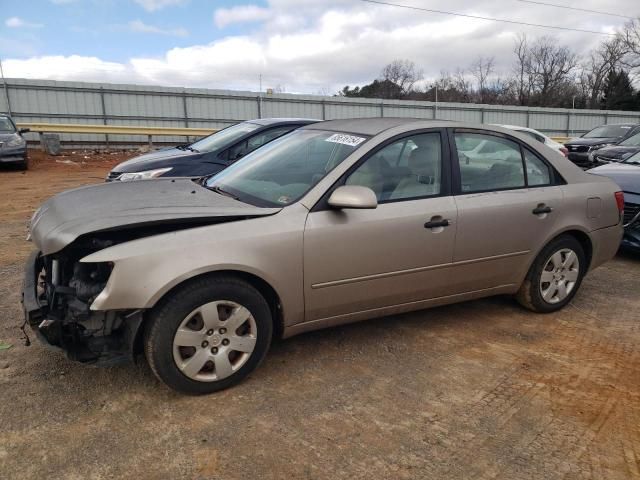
{"x": 542, "y": 208}
{"x": 437, "y": 223}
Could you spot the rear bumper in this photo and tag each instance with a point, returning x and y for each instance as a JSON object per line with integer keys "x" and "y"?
{"x": 605, "y": 242}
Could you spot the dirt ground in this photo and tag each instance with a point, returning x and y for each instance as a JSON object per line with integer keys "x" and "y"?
{"x": 479, "y": 390}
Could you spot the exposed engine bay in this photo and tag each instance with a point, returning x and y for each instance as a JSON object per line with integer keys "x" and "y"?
{"x": 59, "y": 310}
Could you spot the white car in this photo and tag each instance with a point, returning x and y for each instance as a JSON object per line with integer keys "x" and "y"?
{"x": 541, "y": 137}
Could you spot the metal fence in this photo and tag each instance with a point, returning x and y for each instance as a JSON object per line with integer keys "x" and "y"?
{"x": 49, "y": 101}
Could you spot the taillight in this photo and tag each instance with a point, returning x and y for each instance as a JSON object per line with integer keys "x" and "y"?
{"x": 620, "y": 201}
{"x": 564, "y": 151}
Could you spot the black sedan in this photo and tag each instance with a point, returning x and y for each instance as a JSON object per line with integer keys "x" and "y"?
{"x": 616, "y": 153}
{"x": 627, "y": 175}
{"x": 599, "y": 137}
{"x": 208, "y": 155}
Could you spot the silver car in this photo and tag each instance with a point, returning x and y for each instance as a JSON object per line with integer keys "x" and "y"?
{"x": 336, "y": 222}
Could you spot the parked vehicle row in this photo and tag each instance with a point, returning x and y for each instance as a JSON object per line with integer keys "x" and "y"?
{"x": 333, "y": 222}
{"x": 601, "y": 144}
{"x": 627, "y": 175}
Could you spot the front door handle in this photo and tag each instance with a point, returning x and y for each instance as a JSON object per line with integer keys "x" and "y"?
{"x": 541, "y": 208}
{"x": 437, "y": 223}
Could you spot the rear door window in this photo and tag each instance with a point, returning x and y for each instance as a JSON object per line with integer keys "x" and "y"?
{"x": 494, "y": 164}
{"x": 538, "y": 172}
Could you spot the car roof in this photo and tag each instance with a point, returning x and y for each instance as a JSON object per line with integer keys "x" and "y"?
{"x": 372, "y": 126}
{"x": 515, "y": 127}
{"x": 282, "y": 121}
{"x": 616, "y": 125}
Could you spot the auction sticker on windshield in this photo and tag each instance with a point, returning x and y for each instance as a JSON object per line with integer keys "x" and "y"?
{"x": 350, "y": 140}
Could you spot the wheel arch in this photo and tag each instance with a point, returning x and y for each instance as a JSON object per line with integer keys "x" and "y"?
{"x": 579, "y": 234}
{"x": 261, "y": 285}
{"x": 585, "y": 242}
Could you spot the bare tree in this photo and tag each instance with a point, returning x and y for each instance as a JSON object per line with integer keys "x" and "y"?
{"x": 402, "y": 73}
{"x": 522, "y": 70}
{"x": 630, "y": 36}
{"x": 551, "y": 67}
{"x": 607, "y": 57}
{"x": 481, "y": 70}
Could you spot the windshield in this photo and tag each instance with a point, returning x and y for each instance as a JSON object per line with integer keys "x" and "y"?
{"x": 224, "y": 137}
{"x": 284, "y": 170}
{"x": 633, "y": 141}
{"x": 633, "y": 159}
{"x": 608, "y": 131}
{"x": 6, "y": 125}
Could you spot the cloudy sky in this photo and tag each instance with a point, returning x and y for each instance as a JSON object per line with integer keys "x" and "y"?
{"x": 304, "y": 46}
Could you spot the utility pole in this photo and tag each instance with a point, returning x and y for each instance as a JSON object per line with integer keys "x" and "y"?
{"x": 435, "y": 112}
{"x": 6, "y": 91}
{"x": 260, "y": 97}
{"x": 573, "y": 108}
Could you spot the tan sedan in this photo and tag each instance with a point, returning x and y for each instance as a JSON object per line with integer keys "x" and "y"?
{"x": 337, "y": 222}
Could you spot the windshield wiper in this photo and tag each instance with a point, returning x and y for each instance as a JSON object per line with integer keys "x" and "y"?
{"x": 219, "y": 190}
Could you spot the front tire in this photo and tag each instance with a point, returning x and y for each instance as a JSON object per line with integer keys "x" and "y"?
{"x": 555, "y": 276}
{"x": 208, "y": 335}
{"x": 24, "y": 164}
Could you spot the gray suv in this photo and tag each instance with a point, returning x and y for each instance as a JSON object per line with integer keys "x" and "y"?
{"x": 13, "y": 147}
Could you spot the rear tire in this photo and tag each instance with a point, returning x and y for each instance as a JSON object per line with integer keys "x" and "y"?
{"x": 555, "y": 276}
{"x": 208, "y": 335}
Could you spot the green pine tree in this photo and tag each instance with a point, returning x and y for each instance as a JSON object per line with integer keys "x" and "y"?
{"x": 619, "y": 93}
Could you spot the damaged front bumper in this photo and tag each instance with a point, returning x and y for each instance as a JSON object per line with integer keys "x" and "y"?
{"x": 631, "y": 238}
{"x": 56, "y": 297}
{"x": 13, "y": 154}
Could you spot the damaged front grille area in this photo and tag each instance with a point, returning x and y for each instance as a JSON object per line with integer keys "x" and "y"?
{"x": 57, "y": 304}
{"x": 631, "y": 214}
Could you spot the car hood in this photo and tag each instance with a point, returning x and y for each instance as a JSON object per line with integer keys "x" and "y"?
{"x": 626, "y": 176}
{"x": 132, "y": 206}
{"x": 616, "y": 152}
{"x": 5, "y": 137}
{"x": 158, "y": 159}
{"x": 592, "y": 141}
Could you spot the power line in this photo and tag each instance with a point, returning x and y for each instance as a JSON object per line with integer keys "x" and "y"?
{"x": 576, "y": 9}
{"x": 486, "y": 18}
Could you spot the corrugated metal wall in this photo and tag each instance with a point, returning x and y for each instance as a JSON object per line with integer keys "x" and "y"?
{"x": 110, "y": 104}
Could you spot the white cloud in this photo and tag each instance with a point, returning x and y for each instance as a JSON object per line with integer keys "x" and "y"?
{"x": 58, "y": 67}
{"x": 242, "y": 14}
{"x": 313, "y": 45}
{"x": 141, "y": 27}
{"x": 17, "y": 22}
{"x": 153, "y": 5}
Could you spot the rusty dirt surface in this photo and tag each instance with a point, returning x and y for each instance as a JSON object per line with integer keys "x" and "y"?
{"x": 478, "y": 390}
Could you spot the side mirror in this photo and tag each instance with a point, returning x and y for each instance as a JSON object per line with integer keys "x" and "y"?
{"x": 353, "y": 196}
{"x": 24, "y": 130}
